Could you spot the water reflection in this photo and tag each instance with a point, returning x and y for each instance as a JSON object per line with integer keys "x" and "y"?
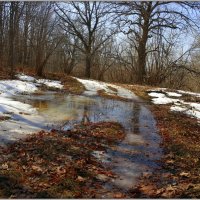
{"x": 140, "y": 148}
{"x": 42, "y": 105}
{"x": 85, "y": 118}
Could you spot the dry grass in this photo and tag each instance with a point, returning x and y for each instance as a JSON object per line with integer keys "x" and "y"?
{"x": 72, "y": 85}
{"x": 5, "y": 73}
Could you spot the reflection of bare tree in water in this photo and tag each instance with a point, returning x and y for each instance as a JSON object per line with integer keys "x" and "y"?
{"x": 136, "y": 109}
{"x": 85, "y": 118}
{"x": 41, "y": 104}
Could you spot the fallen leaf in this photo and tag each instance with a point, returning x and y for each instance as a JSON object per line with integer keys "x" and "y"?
{"x": 80, "y": 178}
{"x": 4, "y": 166}
{"x": 36, "y": 168}
{"x": 185, "y": 174}
{"x": 118, "y": 195}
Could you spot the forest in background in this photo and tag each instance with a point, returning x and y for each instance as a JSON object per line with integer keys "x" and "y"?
{"x": 151, "y": 43}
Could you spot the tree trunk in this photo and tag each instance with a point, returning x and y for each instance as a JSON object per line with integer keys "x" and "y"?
{"x": 1, "y": 32}
{"x": 69, "y": 67}
{"x": 39, "y": 70}
{"x": 11, "y": 39}
{"x": 88, "y": 66}
{"x": 41, "y": 62}
{"x": 142, "y": 45}
{"x": 25, "y": 39}
{"x": 101, "y": 75}
{"x": 141, "y": 63}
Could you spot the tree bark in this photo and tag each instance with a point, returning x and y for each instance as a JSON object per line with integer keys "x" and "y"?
{"x": 142, "y": 45}
{"x": 1, "y": 32}
{"x": 25, "y": 39}
{"x": 88, "y": 66}
{"x": 142, "y": 60}
{"x": 68, "y": 69}
{"x": 11, "y": 39}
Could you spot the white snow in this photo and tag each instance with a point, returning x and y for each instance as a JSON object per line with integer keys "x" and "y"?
{"x": 173, "y": 94}
{"x": 8, "y": 105}
{"x": 157, "y": 90}
{"x": 19, "y": 126}
{"x": 156, "y": 94}
{"x": 189, "y": 108}
{"x": 178, "y": 108}
{"x": 24, "y": 77}
{"x": 9, "y": 88}
{"x": 23, "y": 117}
{"x": 179, "y": 92}
{"x": 160, "y": 98}
{"x": 50, "y": 83}
{"x": 164, "y": 100}
{"x": 92, "y": 88}
{"x": 122, "y": 92}
{"x": 12, "y": 87}
{"x": 193, "y": 113}
{"x": 189, "y": 93}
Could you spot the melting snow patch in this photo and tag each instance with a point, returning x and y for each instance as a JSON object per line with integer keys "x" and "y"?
{"x": 164, "y": 100}
{"x": 157, "y": 90}
{"x": 189, "y": 93}
{"x": 10, "y": 106}
{"x": 24, "y": 77}
{"x": 92, "y": 87}
{"x": 122, "y": 92}
{"x": 50, "y": 83}
{"x": 9, "y": 88}
{"x": 160, "y": 98}
{"x": 178, "y": 108}
{"x": 156, "y": 94}
{"x": 189, "y": 108}
{"x": 173, "y": 94}
{"x": 12, "y": 87}
{"x": 190, "y": 111}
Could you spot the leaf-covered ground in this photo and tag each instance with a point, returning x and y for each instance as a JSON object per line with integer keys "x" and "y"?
{"x": 58, "y": 164}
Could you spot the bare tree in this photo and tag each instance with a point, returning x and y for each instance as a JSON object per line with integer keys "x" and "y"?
{"x": 84, "y": 20}
{"x": 14, "y": 17}
{"x": 69, "y": 53}
{"x": 2, "y": 29}
{"x": 144, "y": 18}
{"x": 43, "y": 41}
{"x": 104, "y": 59}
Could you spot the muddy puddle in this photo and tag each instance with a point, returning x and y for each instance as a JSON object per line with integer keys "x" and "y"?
{"x": 136, "y": 154}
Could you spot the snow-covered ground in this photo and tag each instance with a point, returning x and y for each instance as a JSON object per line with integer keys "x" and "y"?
{"x": 93, "y": 86}
{"x": 23, "y": 117}
{"x": 26, "y": 85}
{"x": 162, "y": 96}
{"x": 50, "y": 83}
